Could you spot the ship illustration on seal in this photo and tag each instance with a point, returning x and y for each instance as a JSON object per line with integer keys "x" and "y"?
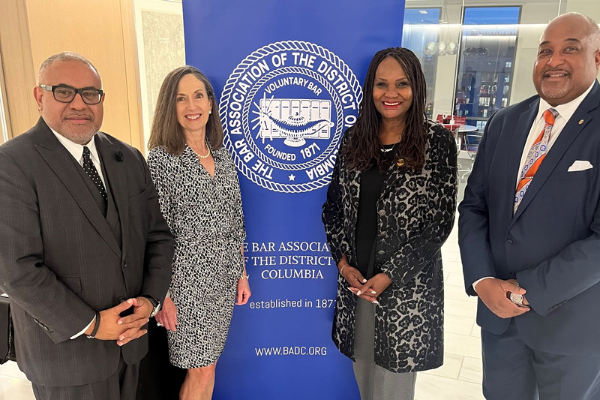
{"x": 293, "y": 119}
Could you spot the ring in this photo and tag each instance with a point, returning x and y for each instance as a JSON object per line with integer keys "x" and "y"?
{"x": 158, "y": 323}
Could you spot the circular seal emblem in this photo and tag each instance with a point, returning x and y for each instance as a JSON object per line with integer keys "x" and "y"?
{"x": 284, "y": 110}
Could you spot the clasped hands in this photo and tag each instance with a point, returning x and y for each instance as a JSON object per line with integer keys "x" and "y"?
{"x": 123, "y": 329}
{"x": 363, "y": 288}
{"x": 493, "y": 292}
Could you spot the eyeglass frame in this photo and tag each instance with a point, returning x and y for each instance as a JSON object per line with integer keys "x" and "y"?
{"x": 77, "y": 91}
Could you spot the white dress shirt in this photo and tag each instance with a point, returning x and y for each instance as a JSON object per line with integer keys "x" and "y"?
{"x": 76, "y": 151}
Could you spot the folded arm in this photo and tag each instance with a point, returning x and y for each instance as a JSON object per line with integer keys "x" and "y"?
{"x": 333, "y": 211}
{"x": 473, "y": 223}
{"x": 24, "y": 277}
{"x": 572, "y": 271}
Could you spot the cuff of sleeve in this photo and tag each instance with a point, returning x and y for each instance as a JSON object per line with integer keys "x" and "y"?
{"x": 83, "y": 331}
{"x": 479, "y": 280}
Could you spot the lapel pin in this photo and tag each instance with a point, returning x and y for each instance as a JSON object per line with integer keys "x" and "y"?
{"x": 580, "y": 121}
{"x": 400, "y": 162}
{"x": 119, "y": 156}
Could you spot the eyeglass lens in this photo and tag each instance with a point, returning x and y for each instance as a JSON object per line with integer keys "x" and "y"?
{"x": 66, "y": 95}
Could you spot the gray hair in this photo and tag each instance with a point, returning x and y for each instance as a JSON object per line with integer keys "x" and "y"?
{"x": 65, "y": 56}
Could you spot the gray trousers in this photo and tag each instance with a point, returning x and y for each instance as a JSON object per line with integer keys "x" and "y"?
{"x": 375, "y": 382}
{"x": 122, "y": 385}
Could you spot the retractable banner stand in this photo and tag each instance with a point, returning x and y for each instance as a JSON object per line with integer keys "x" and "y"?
{"x": 288, "y": 77}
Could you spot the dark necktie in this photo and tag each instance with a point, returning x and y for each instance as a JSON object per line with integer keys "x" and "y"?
{"x": 92, "y": 172}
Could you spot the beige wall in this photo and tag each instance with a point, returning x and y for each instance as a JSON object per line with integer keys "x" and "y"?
{"x": 101, "y": 30}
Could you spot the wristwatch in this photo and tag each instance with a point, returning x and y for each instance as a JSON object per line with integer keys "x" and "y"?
{"x": 155, "y": 304}
{"x": 516, "y": 299}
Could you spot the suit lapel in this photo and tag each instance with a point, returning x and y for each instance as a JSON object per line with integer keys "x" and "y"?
{"x": 569, "y": 133}
{"x": 117, "y": 179}
{"x": 61, "y": 163}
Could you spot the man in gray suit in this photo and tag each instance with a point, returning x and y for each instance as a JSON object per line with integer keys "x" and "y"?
{"x": 82, "y": 243}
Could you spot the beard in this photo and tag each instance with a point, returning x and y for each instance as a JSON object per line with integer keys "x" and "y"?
{"x": 552, "y": 90}
{"x": 78, "y": 136}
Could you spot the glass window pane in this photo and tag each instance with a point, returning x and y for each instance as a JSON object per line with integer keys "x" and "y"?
{"x": 487, "y": 57}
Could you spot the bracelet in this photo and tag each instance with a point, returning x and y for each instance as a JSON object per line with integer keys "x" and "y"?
{"x": 96, "y": 327}
{"x": 343, "y": 266}
{"x": 245, "y": 276}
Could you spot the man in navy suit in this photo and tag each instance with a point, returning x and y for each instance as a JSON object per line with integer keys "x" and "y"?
{"x": 529, "y": 227}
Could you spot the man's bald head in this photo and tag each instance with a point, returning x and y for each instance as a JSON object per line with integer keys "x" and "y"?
{"x": 568, "y": 58}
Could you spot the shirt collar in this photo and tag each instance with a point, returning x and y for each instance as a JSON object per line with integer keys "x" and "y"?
{"x": 76, "y": 149}
{"x": 566, "y": 110}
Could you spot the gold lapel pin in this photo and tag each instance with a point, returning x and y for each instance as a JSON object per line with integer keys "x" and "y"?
{"x": 400, "y": 162}
{"x": 580, "y": 121}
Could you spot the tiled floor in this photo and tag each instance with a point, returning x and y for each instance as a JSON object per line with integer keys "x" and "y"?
{"x": 460, "y": 376}
{"x": 458, "y": 379}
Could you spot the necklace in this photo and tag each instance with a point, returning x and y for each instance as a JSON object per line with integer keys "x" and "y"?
{"x": 388, "y": 149}
{"x": 200, "y": 155}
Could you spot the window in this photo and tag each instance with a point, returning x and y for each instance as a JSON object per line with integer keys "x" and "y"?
{"x": 421, "y": 29}
{"x": 487, "y": 54}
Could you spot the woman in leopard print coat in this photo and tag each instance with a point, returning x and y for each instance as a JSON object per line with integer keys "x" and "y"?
{"x": 411, "y": 212}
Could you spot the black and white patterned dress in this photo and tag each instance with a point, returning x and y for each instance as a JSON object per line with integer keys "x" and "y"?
{"x": 206, "y": 219}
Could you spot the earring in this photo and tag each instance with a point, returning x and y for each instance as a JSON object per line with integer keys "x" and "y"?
{"x": 210, "y": 111}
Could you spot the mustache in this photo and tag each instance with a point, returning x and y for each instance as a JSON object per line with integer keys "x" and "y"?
{"x": 79, "y": 115}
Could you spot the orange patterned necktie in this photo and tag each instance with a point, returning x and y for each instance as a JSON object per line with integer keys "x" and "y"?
{"x": 535, "y": 156}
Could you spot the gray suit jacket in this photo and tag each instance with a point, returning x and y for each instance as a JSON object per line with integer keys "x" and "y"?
{"x": 60, "y": 261}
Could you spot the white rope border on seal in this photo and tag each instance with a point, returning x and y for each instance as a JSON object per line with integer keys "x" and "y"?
{"x": 339, "y": 122}
{"x": 231, "y": 82}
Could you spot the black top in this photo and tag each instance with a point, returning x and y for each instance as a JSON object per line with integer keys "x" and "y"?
{"x": 371, "y": 183}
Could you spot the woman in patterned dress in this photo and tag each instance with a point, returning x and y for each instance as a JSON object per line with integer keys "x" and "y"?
{"x": 199, "y": 197}
{"x": 390, "y": 207}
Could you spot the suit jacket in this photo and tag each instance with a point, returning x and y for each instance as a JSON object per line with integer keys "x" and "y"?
{"x": 415, "y": 216}
{"x": 60, "y": 262}
{"x": 551, "y": 245}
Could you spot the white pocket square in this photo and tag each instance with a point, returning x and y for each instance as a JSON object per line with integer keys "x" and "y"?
{"x": 580, "y": 165}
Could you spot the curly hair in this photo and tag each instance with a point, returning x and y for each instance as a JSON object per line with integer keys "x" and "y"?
{"x": 364, "y": 146}
{"x": 166, "y": 131}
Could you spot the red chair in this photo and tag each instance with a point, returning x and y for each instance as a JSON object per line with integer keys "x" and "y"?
{"x": 460, "y": 120}
{"x": 440, "y": 118}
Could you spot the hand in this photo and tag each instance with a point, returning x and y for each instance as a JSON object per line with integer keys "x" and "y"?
{"x": 352, "y": 276}
{"x": 142, "y": 308}
{"x": 110, "y": 326}
{"x": 167, "y": 316}
{"x": 243, "y": 291}
{"x": 373, "y": 287}
{"x": 514, "y": 282}
{"x": 492, "y": 292}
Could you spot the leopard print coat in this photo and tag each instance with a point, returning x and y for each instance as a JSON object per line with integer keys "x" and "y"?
{"x": 415, "y": 217}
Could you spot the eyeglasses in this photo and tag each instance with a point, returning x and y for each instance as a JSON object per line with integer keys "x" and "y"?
{"x": 66, "y": 94}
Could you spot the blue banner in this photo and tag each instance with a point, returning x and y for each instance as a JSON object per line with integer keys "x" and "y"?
{"x": 288, "y": 79}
